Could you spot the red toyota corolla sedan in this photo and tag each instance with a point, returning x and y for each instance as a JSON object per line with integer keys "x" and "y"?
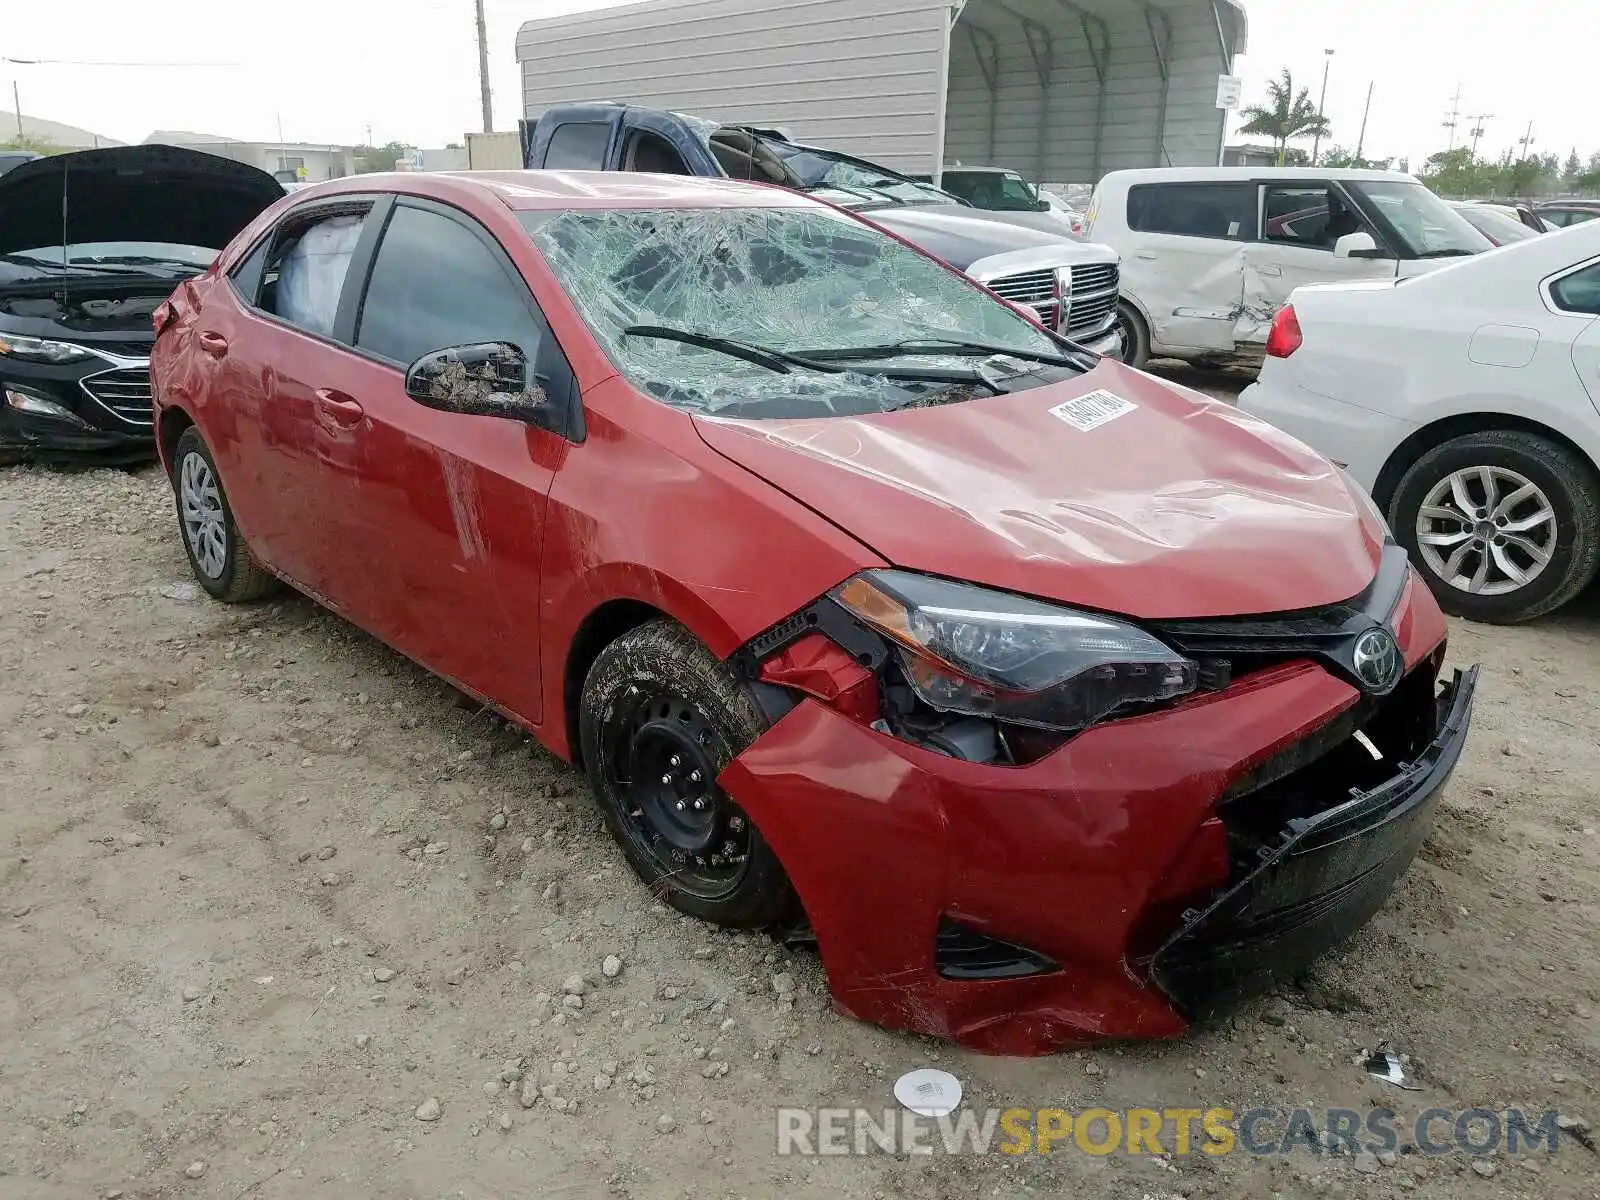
{"x": 1054, "y": 701}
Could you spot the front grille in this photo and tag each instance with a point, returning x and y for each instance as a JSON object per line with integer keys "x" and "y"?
{"x": 124, "y": 349}
{"x": 1028, "y": 288}
{"x": 125, "y": 393}
{"x": 1036, "y": 289}
{"x": 1094, "y": 298}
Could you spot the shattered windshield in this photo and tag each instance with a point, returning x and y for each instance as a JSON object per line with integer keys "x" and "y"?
{"x": 818, "y": 169}
{"x": 788, "y": 280}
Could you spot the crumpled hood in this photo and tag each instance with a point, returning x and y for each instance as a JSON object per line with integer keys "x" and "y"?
{"x": 132, "y": 194}
{"x": 1179, "y": 507}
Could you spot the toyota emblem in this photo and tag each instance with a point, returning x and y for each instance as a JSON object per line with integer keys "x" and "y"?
{"x": 1377, "y": 661}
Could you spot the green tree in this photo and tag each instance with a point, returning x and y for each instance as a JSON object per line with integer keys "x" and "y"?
{"x": 379, "y": 158}
{"x": 1573, "y": 169}
{"x": 1286, "y": 116}
{"x": 1338, "y": 156}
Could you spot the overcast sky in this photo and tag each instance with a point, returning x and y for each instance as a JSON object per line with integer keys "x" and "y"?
{"x": 328, "y": 69}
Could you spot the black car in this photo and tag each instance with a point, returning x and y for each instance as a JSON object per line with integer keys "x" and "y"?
{"x": 90, "y": 245}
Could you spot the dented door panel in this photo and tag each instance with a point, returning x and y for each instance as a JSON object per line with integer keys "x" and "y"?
{"x": 1190, "y": 289}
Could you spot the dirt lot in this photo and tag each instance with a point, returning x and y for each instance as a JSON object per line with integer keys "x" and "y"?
{"x": 266, "y": 890}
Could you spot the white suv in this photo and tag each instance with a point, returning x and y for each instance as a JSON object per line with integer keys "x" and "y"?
{"x": 1209, "y": 254}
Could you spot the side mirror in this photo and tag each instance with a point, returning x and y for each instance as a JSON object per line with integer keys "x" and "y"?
{"x": 1041, "y": 206}
{"x": 1357, "y": 245}
{"x": 487, "y": 379}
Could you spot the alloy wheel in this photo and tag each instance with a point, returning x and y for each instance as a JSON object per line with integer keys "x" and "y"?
{"x": 204, "y": 524}
{"x": 1488, "y": 531}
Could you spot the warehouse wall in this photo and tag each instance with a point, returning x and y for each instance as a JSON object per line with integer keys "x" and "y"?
{"x": 856, "y": 75}
{"x": 1066, "y": 154}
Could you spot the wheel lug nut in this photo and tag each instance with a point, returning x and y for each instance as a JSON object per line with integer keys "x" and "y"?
{"x": 694, "y": 776}
{"x": 680, "y": 805}
{"x": 675, "y": 761}
{"x": 699, "y": 806}
{"x": 667, "y": 779}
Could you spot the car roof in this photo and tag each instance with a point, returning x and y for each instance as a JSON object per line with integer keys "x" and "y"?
{"x": 535, "y": 190}
{"x": 1245, "y": 174}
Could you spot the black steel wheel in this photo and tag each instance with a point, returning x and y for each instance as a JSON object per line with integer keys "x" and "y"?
{"x": 660, "y": 720}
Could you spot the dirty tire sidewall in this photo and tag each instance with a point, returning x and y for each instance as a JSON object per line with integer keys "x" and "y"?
{"x": 242, "y": 578}
{"x": 1135, "y": 337}
{"x": 1568, "y": 481}
{"x": 663, "y": 654}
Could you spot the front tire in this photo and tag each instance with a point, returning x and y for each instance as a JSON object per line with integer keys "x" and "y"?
{"x": 218, "y": 554}
{"x": 1504, "y": 525}
{"x": 660, "y": 720}
{"x": 1135, "y": 336}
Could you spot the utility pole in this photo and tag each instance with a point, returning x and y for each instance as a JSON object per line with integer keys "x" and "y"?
{"x": 483, "y": 70}
{"x": 1527, "y": 140}
{"x": 1322, "y": 104}
{"x": 16, "y": 102}
{"x": 1361, "y": 143}
{"x": 1477, "y": 130}
{"x": 1455, "y": 117}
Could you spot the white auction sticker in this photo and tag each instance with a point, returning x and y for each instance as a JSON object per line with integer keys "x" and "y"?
{"x": 1091, "y": 411}
{"x": 928, "y": 1093}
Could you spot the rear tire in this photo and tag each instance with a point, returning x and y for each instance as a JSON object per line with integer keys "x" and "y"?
{"x": 218, "y": 554}
{"x": 660, "y": 719}
{"x": 1504, "y": 525}
{"x": 1135, "y": 336}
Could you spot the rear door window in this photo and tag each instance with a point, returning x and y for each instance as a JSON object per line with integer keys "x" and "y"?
{"x": 578, "y": 146}
{"x": 298, "y": 274}
{"x": 1224, "y": 211}
{"x": 437, "y": 283}
{"x": 1578, "y": 292}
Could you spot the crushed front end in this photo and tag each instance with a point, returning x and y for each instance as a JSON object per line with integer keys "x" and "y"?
{"x": 1021, "y": 891}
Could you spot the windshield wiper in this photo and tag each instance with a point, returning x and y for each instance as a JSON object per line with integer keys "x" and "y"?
{"x": 56, "y": 264}
{"x": 934, "y": 347}
{"x": 1452, "y": 253}
{"x": 782, "y": 361}
{"x": 152, "y": 260}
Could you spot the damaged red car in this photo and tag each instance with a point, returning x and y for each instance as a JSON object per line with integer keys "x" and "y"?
{"x": 1055, "y": 702}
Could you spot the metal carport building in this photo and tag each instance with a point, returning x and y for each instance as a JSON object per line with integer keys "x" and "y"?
{"x": 1060, "y": 90}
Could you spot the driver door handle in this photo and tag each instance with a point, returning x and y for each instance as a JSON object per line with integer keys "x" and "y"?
{"x": 342, "y": 409}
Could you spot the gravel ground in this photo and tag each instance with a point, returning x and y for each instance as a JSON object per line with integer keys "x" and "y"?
{"x": 281, "y": 917}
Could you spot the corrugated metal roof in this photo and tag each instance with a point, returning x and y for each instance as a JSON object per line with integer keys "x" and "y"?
{"x": 1024, "y": 86}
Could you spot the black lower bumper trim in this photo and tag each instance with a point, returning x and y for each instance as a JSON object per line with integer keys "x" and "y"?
{"x": 1331, "y": 873}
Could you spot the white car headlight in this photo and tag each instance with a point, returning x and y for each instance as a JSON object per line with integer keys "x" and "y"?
{"x": 32, "y": 349}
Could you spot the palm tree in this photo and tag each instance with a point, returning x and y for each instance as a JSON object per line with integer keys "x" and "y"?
{"x": 1286, "y": 115}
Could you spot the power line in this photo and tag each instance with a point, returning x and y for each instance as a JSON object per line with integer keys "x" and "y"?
{"x": 80, "y": 62}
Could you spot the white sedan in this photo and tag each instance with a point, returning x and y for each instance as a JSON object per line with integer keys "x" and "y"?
{"x": 1468, "y": 403}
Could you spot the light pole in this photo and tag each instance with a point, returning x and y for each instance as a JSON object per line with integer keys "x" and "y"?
{"x": 1322, "y": 105}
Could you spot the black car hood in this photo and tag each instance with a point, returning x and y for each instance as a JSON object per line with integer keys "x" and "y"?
{"x": 131, "y": 194}
{"x": 960, "y": 240}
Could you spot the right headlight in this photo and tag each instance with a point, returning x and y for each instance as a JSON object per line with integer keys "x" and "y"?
{"x": 969, "y": 650}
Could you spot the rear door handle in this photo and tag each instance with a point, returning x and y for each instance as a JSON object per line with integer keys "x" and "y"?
{"x": 341, "y": 409}
{"x": 1270, "y": 272}
{"x": 213, "y": 343}
{"x": 1147, "y": 255}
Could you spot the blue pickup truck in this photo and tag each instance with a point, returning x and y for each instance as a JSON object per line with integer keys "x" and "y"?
{"x": 1071, "y": 285}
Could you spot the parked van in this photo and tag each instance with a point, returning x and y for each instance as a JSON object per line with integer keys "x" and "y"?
{"x": 1209, "y": 254}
